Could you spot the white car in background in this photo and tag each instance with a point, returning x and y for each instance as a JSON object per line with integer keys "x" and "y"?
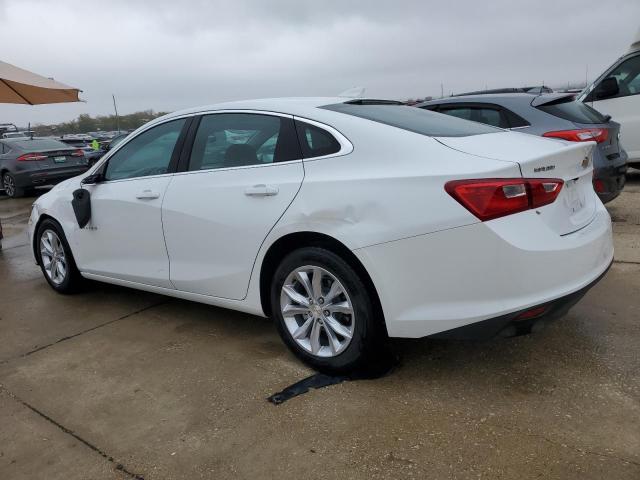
{"x": 343, "y": 220}
{"x": 617, "y": 93}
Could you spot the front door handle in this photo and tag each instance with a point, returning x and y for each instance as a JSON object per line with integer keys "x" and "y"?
{"x": 147, "y": 195}
{"x": 261, "y": 190}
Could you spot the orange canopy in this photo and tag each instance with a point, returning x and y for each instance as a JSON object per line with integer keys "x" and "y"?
{"x": 21, "y": 86}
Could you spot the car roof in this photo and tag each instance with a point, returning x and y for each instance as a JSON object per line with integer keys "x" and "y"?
{"x": 499, "y": 98}
{"x": 301, "y": 106}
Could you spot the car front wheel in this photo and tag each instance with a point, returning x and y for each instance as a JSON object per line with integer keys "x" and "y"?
{"x": 55, "y": 258}
{"x": 324, "y": 311}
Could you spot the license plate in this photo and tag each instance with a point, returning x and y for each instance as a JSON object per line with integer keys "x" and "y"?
{"x": 59, "y": 159}
{"x": 574, "y": 199}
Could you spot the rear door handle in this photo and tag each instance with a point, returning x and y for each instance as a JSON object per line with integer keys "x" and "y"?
{"x": 261, "y": 190}
{"x": 147, "y": 195}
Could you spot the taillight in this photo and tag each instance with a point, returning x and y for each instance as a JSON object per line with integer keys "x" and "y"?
{"x": 78, "y": 153}
{"x": 598, "y": 185}
{"x": 496, "y": 197}
{"x": 30, "y": 157}
{"x": 598, "y": 135}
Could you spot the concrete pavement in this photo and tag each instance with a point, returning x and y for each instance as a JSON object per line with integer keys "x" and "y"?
{"x": 115, "y": 383}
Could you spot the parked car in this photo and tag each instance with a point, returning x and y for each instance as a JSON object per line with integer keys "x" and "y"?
{"x": 617, "y": 93}
{"x": 554, "y": 115}
{"x": 7, "y": 127}
{"x": 76, "y": 136}
{"x": 16, "y": 134}
{"x": 112, "y": 143}
{"x": 90, "y": 153}
{"x": 367, "y": 219}
{"x": 532, "y": 90}
{"x": 29, "y": 162}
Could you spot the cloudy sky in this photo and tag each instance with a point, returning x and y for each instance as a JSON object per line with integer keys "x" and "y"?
{"x": 168, "y": 54}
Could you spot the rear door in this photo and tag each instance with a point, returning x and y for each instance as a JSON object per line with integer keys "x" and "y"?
{"x": 244, "y": 170}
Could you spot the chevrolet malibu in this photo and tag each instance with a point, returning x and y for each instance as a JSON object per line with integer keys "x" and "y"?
{"x": 346, "y": 221}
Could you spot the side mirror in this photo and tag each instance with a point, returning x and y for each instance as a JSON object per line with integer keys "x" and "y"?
{"x": 608, "y": 88}
{"x": 93, "y": 179}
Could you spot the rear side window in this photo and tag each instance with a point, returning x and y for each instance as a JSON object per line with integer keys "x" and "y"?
{"x": 413, "y": 119}
{"x": 315, "y": 141}
{"x": 227, "y": 140}
{"x": 488, "y": 116}
{"x": 461, "y": 112}
{"x": 573, "y": 111}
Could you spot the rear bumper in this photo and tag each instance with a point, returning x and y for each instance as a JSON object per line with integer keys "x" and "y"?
{"x": 612, "y": 181}
{"x": 457, "y": 277}
{"x": 519, "y": 323}
{"x": 33, "y": 178}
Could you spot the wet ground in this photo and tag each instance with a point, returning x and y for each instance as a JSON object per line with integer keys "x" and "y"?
{"x": 115, "y": 383}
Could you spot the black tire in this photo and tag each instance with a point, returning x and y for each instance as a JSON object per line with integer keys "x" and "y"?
{"x": 73, "y": 281}
{"x": 10, "y": 188}
{"x": 369, "y": 336}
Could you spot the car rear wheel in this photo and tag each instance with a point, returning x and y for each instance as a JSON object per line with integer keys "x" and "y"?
{"x": 55, "y": 258}
{"x": 324, "y": 312}
{"x": 10, "y": 188}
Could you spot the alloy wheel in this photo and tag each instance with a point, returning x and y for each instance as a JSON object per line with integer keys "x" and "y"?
{"x": 9, "y": 185}
{"x": 53, "y": 257}
{"x": 317, "y": 311}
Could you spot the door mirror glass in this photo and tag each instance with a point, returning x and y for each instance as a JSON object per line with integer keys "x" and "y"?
{"x": 607, "y": 88}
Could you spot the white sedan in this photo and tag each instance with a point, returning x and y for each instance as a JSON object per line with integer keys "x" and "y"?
{"x": 346, "y": 221}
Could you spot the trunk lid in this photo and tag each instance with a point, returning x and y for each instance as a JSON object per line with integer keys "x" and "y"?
{"x": 539, "y": 157}
{"x": 60, "y": 159}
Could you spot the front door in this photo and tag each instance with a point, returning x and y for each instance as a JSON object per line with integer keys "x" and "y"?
{"x": 624, "y": 107}
{"x": 124, "y": 239}
{"x": 244, "y": 171}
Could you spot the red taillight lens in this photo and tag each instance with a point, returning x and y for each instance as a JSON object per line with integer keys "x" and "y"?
{"x": 78, "y": 153}
{"x": 598, "y": 135}
{"x": 30, "y": 157}
{"x": 543, "y": 191}
{"x": 598, "y": 185}
{"x": 496, "y": 197}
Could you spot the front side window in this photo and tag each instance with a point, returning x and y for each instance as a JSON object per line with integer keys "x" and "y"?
{"x": 226, "y": 140}
{"x": 147, "y": 154}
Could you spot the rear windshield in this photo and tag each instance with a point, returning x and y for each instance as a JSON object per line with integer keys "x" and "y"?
{"x": 573, "y": 111}
{"x": 38, "y": 144}
{"x": 414, "y": 119}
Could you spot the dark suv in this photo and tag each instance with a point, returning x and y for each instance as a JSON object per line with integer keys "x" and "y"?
{"x": 554, "y": 115}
